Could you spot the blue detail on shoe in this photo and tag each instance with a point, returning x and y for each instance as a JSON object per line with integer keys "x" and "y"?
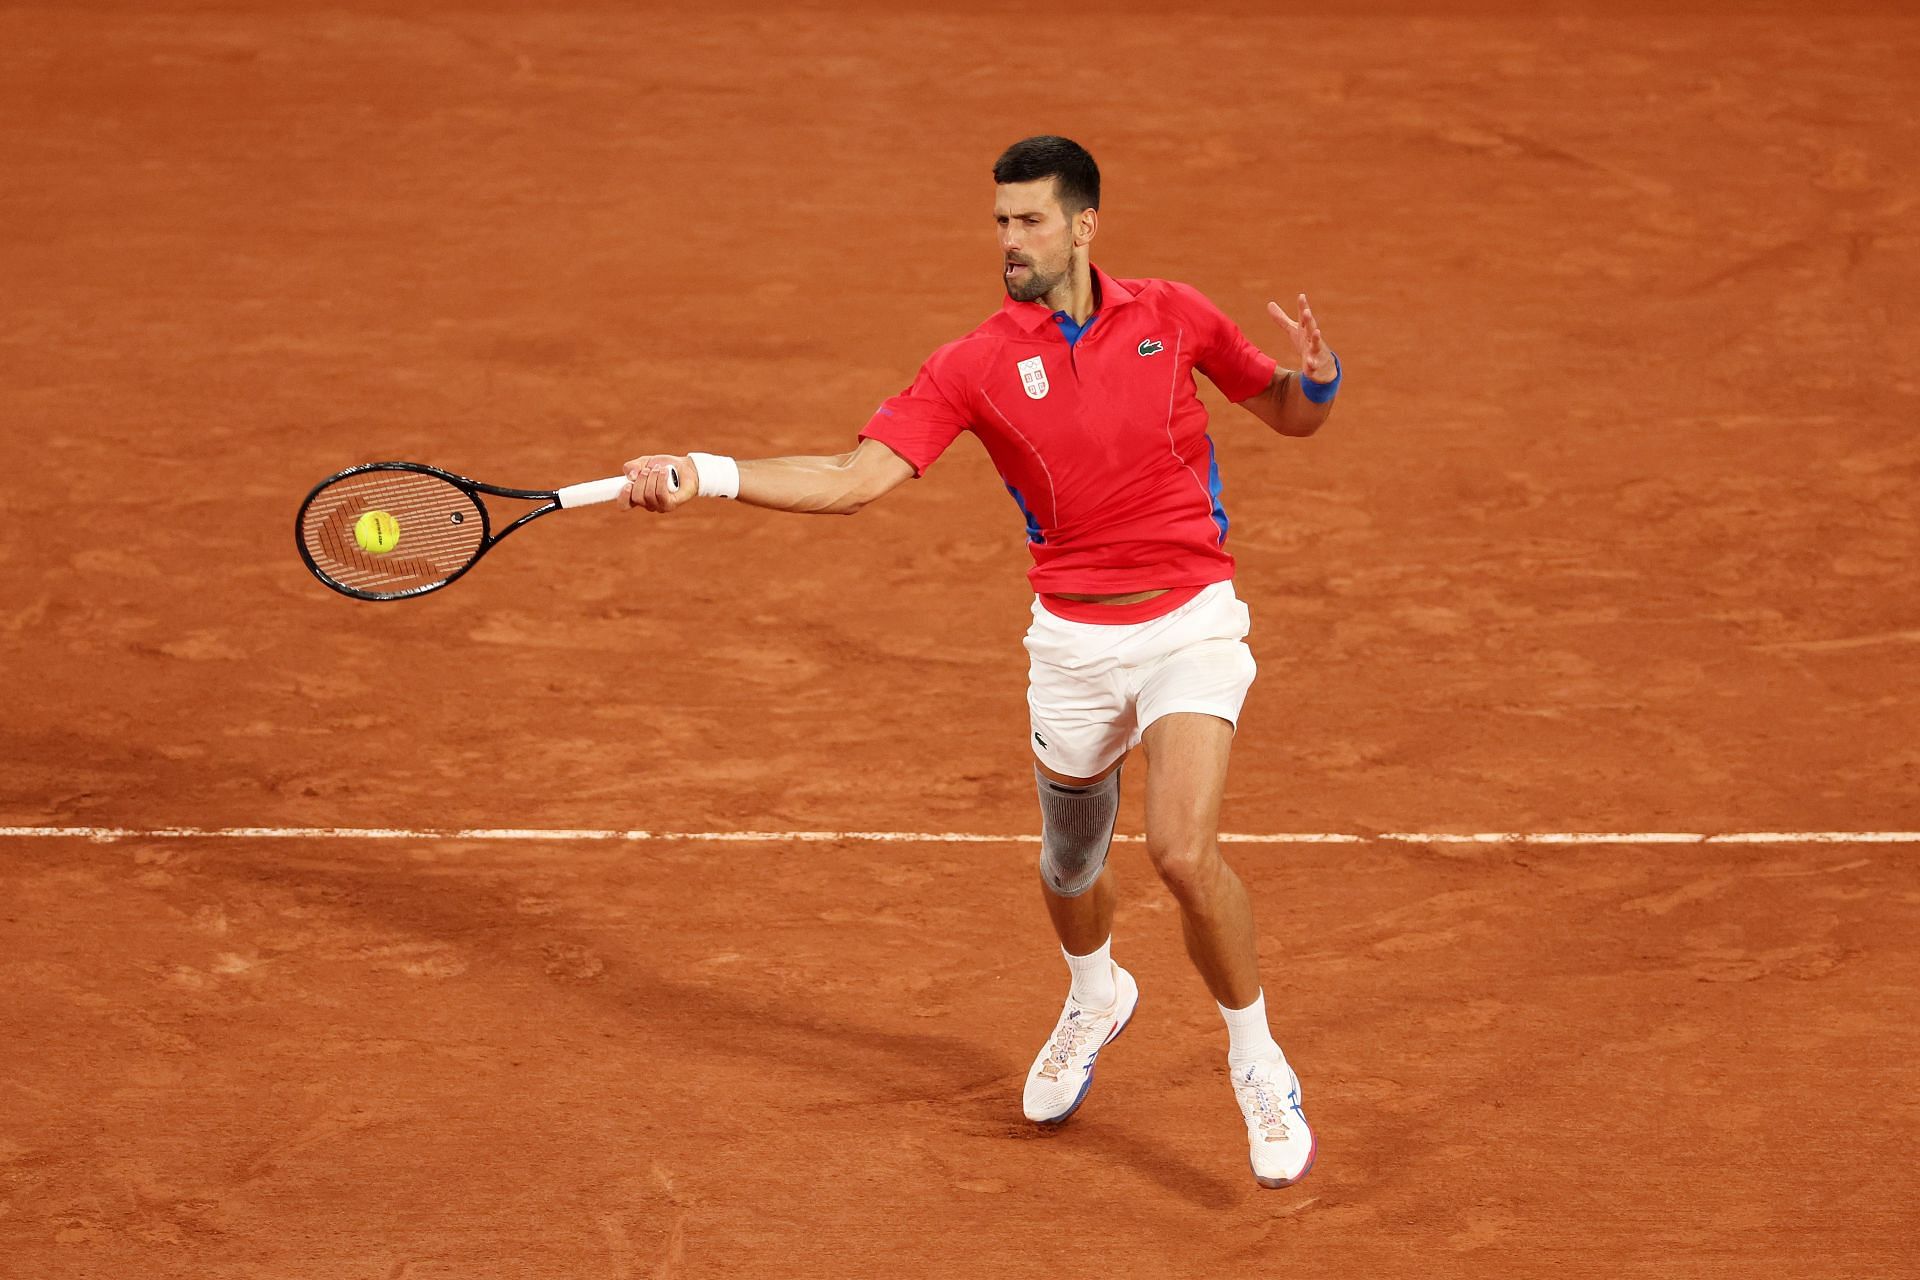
{"x": 1087, "y": 1085}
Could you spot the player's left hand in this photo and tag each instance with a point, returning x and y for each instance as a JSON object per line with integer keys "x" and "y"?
{"x": 1316, "y": 361}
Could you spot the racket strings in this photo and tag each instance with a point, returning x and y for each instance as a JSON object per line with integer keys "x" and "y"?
{"x": 441, "y": 531}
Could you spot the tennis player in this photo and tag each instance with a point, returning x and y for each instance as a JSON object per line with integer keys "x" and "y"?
{"x": 1081, "y": 387}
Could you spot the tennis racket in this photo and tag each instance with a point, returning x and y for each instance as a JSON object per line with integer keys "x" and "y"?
{"x": 425, "y": 527}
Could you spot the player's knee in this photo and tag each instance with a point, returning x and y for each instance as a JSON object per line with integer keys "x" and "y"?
{"x": 1065, "y": 880}
{"x": 1070, "y": 863}
{"x": 1076, "y": 828}
{"x": 1188, "y": 867}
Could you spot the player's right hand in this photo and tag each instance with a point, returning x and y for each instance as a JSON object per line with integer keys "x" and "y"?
{"x": 649, "y": 481}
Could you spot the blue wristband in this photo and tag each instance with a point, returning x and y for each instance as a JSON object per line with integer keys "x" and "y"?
{"x": 1322, "y": 392}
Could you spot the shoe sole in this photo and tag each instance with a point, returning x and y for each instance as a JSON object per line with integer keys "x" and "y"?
{"x": 1274, "y": 1184}
{"x": 1087, "y": 1085}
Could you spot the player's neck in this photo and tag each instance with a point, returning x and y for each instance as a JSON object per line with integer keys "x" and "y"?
{"x": 1075, "y": 294}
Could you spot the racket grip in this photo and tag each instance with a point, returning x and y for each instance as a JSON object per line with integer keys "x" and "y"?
{"x": 592, "y": 491}
{"x": 585, "y": 495}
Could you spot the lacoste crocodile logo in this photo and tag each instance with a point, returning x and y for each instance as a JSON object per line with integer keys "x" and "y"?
{"x": 1151, "y": 347}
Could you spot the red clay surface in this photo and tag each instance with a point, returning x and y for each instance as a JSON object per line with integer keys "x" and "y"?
{"x": 1615, "y": 529}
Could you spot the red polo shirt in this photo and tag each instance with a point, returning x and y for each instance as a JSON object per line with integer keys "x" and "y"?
{"x": 1102, "y": 440}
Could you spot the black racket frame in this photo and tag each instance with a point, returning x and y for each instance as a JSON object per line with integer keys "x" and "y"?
{"x": 549, "y": 499}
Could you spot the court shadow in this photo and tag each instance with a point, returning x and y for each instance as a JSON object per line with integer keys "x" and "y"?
{"x": 718, "y": 1018}
{"x": 971, "y": 1086}
{"x": 1204, "y": 1188}
{"x": 994, "y": 1112}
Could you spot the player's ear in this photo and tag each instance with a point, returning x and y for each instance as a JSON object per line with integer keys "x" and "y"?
{"x": 1085, "y": 224}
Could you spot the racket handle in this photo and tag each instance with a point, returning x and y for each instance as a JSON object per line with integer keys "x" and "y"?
{"x": 585, "y": 495}
{"x": 592, "y": 491}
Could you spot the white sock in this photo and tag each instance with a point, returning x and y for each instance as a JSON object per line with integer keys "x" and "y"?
{"x": 1093, "y": 977}
{"x": 1249, "y": 1039}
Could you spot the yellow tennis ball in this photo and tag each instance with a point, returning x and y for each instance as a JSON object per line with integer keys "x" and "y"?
{"x": 376, "y": 531}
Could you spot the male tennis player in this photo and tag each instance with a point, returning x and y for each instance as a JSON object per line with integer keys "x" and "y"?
{"x": 1081, "y": 387}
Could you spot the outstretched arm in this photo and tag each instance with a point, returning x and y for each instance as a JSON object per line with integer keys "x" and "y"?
{"x": 1286, "y": 405}
{"x": 836, "y": 485}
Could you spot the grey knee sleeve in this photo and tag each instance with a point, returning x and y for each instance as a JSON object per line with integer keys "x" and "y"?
{"x": 1076, "y": 826}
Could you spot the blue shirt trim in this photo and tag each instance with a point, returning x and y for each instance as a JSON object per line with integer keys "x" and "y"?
{"x": 1213, "y": 490}
{"x": 1033, "y": 525}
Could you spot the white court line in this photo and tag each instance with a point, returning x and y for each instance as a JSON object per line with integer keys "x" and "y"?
{"x": 106, "y": 835}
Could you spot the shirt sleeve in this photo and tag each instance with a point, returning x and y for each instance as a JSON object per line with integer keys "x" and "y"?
{"x": 920, "y": 422}
{"x": 1222, "y": 352}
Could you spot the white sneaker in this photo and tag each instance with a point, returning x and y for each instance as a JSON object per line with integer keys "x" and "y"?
{"x": 1279, "y": 1143}
{"x": 1058, "y": 1081}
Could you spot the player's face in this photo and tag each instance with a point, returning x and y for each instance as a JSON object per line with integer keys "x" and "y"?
{"x": 1036, "y": 238}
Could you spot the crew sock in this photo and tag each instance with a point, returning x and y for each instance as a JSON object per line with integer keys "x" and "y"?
{"x": 1093, "y": 977}
{"x": 1249, "y": 1039}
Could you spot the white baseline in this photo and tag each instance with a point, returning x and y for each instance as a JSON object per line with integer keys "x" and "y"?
{"x": 107, "y": 835}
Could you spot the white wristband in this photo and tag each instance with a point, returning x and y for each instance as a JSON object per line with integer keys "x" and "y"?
{"x": 719, "y": 475}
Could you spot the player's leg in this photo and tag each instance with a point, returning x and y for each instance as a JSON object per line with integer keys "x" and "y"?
{"x": 1076, "y": 828}
{"x": 1076, "y": 820}
{"x": 1187, "y": 701}
{"x": 1186, "y": 776}
{"x": 1081, "y": 725}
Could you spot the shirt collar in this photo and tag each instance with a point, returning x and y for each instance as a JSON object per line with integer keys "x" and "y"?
{"x": 1031, "y": 315}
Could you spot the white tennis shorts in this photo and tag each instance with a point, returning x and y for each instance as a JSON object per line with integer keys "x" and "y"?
{"x": 1093, "y": 688}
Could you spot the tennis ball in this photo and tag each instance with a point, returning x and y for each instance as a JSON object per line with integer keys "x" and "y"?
{"x": 376, "y": 531}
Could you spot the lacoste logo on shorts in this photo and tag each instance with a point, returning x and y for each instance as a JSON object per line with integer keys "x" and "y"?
{"x": 1151, "y": 347}
{"x": 1033, "y": 376}
{"x": 1042, "y": 741}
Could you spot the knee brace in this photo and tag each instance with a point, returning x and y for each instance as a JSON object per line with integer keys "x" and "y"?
{"x": 1076, "y": 827}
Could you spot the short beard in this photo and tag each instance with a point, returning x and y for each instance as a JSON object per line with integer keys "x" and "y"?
{"x": 1036, "y": 287}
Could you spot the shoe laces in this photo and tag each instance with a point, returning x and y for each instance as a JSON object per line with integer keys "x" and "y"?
{"x": 1074, "y": 1027}
{"x": 1255, "y": 1087}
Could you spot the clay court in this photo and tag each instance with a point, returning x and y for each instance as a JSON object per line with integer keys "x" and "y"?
{"x": 1614, "y": 532}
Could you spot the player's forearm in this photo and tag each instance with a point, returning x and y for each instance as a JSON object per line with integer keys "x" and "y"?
{"x": 836, "y": 486}
{"x": 1286, "y": 409}
{"x": 828, "y": 486}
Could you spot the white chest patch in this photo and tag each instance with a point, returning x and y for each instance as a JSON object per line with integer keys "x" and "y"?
{"x": 1033, "y": 376}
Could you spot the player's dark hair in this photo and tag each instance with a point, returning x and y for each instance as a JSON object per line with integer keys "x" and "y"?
{"x": 1076, "y": 178}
